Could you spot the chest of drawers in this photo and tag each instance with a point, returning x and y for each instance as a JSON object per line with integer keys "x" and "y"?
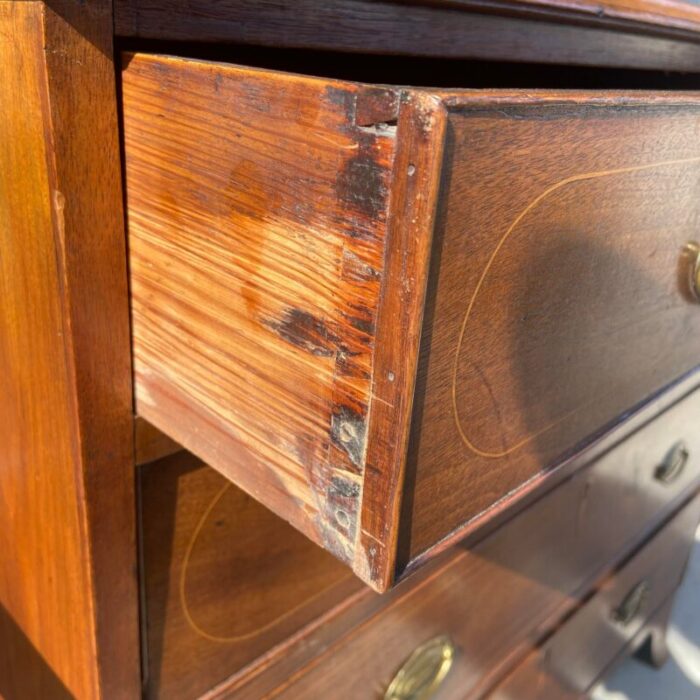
{"x": 348, "y": 349}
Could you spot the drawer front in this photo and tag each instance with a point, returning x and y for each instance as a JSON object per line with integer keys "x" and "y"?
{"x": 560, "y": 292}
{"x": 291, "y": 239}
{"x": 227, "y": 582}
{"x": 574, "y": 658}
{"x": 483, "y": 612}
{"x": 601, "y": 509}
{"x": 565, "y": 667}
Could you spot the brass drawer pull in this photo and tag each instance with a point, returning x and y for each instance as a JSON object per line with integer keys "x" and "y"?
{"x": 693, "y": 255}
{"x": 673, "y": 465}
{"x": 423, "y": 672}
{"x": 633, "y": 604}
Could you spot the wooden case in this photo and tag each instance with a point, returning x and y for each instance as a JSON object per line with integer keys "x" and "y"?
{"x": 657, "y": 34}
{"x": 308, "y": 254}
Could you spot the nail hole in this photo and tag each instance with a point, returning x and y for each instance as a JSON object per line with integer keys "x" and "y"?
{"x": 347, "y": 433}
{"x": 411, "y": 169}
{"x": 342, "y": 517}
{"x": 391, "y": 376}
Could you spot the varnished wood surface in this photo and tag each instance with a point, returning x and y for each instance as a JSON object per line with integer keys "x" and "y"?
{"x": 559, "y": 292}
{"x": 575, "y": 656}
{"x": 416, "y": 182}
{"x": 490, "y": 594}
{"x": 68, "y": 602}
{"x": 662, "y": 13}
{"x": 276, "y": 309}
{"x": 509, "y": 589}
{"x": 548, "y": 686}
{"x": 635, "y": 33}
{"x": 225, "y": 580}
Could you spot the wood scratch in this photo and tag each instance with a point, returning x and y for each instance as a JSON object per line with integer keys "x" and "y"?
{"x": 374, "y": 397}
{"x": 372, "y": 537}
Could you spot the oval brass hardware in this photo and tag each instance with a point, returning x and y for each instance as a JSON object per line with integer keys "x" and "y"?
{"x": 673, "y": 465}
{"x": 423, "y": 672}
{"x": 633, "y": 604}
{"x": 693, "y": 254}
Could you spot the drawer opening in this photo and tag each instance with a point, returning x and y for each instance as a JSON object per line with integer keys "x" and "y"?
{"x": 224, "y": 580}
{"x": 418, "y": 71}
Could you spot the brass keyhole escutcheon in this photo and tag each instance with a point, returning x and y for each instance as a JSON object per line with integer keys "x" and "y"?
{"x": 423, "y": 672}
{"x": 692, "y": 253}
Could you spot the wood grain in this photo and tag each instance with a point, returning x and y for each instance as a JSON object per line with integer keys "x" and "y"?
{"x": 257, "y": 218}
{"x": 549, "y": 686}
{"x": 416, "y": 182}
{"x": 224, "y": 579}
{"x": 501, "y": 596}
{"x": 67, "y": 530}
{"x": 660, "y": 13}
{"x": 558, "y": 295}
{"x": 622, "y": 33}
{"x": 576, "y": 656}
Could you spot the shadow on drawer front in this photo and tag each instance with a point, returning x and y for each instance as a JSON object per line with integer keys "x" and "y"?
{"x": 584, "y": 522}
{"x": 291, "y": 239}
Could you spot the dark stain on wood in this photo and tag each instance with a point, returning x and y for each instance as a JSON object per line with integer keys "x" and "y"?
{"x": 341, "y": 97}
{"x": 305, "y": 331}
{"x": 343, "y": 488}
{"x": 361, "y": 183}
{"x": 364, "y": 325}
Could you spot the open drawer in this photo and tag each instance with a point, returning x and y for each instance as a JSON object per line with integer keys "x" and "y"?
{"x": 387, "y": 313}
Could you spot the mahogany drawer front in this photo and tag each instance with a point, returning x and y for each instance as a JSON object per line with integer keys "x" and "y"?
{"x": 576, "y": 656}
{"x": 208, "y": 597}
{"x": 305, "y": 253}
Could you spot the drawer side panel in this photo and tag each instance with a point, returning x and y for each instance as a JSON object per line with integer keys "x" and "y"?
{"x": 257, "y": 211}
